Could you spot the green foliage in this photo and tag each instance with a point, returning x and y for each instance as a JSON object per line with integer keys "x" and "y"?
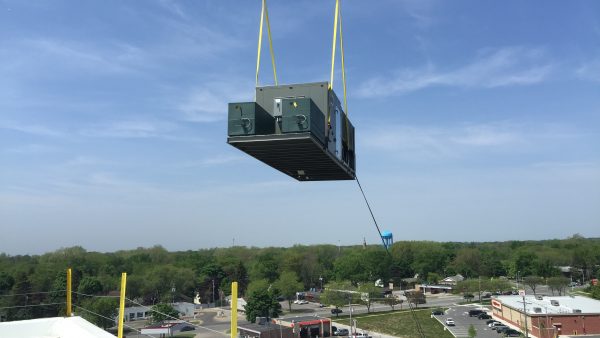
{"x": 472, "y": 331}
{"x": 533, "y": 282}
{"x": 369, "y": 294}
{"x": 162, "y": 311}
{"x": 595, "y": 291}
{"x": 90, "y": 286}
{"x": 336, "y": 294}
{"x": 558, "y": 285}
{"x": 105, "y": 310}
{"x": 288, "y": 285}
{"x": 261, "y": 303}
{"x": 393, "y": 301}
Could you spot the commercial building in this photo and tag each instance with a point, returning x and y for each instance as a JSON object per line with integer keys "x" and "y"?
{"x": 266, "y": 330}
{"x": 549, "y": 316}
{"x": 307, "y": 326}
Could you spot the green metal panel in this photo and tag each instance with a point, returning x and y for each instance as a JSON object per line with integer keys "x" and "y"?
{"x": 249, "y": 118}
{"x": 302, "y": 115}
{"x": 317, "y": 91}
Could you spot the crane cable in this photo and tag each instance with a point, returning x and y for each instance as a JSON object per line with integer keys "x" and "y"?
{"x": 264, "y": 14}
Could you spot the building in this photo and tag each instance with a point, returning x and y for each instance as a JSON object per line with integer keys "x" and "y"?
{"x": 452, "y": 280}
{"x": 549, "y": 316}
{"x": 267, "y": 330}
{"x": 307, "y": 326}
{"x": 64, "y": 327}
{"x": 144, "y": 312}
{"x": 165, "y": 329}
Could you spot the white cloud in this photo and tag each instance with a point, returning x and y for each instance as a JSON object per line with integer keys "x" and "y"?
{"x": 430, "y": 142}
{"x": 31, "y": 149}
{"x": 511, "y": 66}
{"x": 208, "y": 103}
{"x": 131, "y": 129}
{"x": 589, "y": 71}
{"x": 34, "y": 129}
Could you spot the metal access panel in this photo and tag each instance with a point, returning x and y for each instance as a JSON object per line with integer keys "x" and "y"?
{"x": 249, "y": 118}
{"x": 301, "y": 115}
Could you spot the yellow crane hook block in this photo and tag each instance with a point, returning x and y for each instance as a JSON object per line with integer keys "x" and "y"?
{"x": 300, "y": 130}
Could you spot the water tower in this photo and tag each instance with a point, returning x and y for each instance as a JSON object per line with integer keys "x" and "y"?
{"x": 388, "y": 239}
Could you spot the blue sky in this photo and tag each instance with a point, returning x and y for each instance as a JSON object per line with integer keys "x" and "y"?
{"x": 476, "y": 121}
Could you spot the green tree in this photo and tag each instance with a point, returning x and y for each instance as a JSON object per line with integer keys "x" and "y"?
{"x": 90, "y": 286}
{"x": 533, "y": 282}
{"x": 369, "y": 294}
{"x": 392, "y": 302}
{"x": 6, "y": 282}
{"x": 472, "y": 331}
{"x": 558, "y": 284}
{"x": 162, "y": 311}
{"x": 105, "y": 311}
{"x": 338, "y": 295}
{"x": 261, "y": 303}
{"x": 288, "y": 285}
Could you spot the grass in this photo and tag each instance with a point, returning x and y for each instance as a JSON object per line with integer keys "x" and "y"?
{"x": 400, "y": 323}
{"x": 185, "y": 335}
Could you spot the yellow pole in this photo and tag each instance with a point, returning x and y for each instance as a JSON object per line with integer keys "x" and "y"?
{"x": 122, "y": 304}
{"x": 234, "y": 298}
{"x": 69, "y": 292}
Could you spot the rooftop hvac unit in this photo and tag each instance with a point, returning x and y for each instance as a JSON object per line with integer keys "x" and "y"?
{"x": 539, "y": 297}
{"x": 554, "y": 302}
{"x": 576, "y": 311}
{"x": 300, "y": 130}
{"x": 537, "y": 309}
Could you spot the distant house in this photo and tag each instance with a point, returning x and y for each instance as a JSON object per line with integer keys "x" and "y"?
{"x": 144, "y": 312}
{"x": 452, "y": 280}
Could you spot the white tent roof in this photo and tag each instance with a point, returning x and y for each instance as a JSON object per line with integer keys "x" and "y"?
{"x": 57, "y": 327}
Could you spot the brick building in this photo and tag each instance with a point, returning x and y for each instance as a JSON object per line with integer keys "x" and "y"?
{"x": 549, "y": 316}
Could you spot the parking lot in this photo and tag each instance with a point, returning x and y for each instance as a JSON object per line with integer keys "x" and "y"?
{"x": 460, "y": 314}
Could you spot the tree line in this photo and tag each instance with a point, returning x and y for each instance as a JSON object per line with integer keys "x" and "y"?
{"x": 156, "y": 275}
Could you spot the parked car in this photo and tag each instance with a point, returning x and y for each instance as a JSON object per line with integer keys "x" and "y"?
{"x": 488, "y": 322}
{"x": 494, "y": 323}
{"x": 500, "y": 328}
{"x": 484, "y": 316}
{"x": 475, "y": 313}
{"x": 511, "y": 333}
{"x": 360, "y": 335}
{"x": 336, "y": 311}
{"x": 437, "y": 312}
{"x": 341, "y": 332}
{"x": 450, "y": 322}
{"x": 302, "y": 302}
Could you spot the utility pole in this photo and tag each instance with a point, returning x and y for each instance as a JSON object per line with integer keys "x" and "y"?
{"x": 522, "y": 292}
{"x": 213, "y": 291}
{"x": 479, "y": 290}
{"x": 350, "y": 307}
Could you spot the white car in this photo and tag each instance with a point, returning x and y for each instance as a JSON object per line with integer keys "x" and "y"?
{"x": 494, "y": 324}
{"x": 450, "y": 322}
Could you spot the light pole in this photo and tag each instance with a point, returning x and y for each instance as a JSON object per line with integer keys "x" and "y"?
{"x": 321, "y": 279}
{"x": 350, "y": 309}
{"x": 525, "y": 313}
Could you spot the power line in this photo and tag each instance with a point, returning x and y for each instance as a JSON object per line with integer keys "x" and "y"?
{"x": 30, "y": 305}
{"x": 95, "y": 296}
{"x": 32, "y": 293}
{"x": 111, "y": 319}
{"x": 169, "y": 316}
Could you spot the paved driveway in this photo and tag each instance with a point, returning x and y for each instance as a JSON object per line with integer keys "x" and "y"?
{"x": 460, "y": 314}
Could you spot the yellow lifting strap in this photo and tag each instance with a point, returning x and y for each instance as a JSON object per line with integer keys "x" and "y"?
{"x": 338, "y": 15}
{"x": 264, "y": 13}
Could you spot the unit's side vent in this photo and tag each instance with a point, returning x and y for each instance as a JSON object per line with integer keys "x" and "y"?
{"x": 554, "y": 302}
{"x": 576, "y": 310}
{"x": 539, "y": 297}
{"x": 537, "y": 309}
